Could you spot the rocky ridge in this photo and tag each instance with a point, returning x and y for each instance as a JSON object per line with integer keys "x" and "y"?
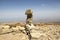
{"x": 39, "y": 32}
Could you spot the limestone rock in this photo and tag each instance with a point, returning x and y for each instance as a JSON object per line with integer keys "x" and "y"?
{"x": 35, "y": 35}
{"x": 30, "y": 26}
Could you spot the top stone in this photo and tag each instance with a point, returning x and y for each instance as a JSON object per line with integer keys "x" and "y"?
{"x": 28, "y": 11}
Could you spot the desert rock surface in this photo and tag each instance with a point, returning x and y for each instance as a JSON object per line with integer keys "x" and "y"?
{"x": 40, "y": 32}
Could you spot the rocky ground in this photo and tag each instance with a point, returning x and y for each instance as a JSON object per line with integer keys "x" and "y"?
{"x": 39, "y": 32}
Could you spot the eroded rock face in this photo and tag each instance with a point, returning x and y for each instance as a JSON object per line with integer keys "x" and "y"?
{"x": 17, "y": 36}
{"x": 45, "y": 32}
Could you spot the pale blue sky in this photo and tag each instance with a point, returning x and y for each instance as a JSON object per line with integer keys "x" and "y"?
{"x": 43, "y": 10}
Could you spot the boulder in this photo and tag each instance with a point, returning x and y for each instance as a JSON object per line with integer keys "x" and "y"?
{"x": 30, "y": 26}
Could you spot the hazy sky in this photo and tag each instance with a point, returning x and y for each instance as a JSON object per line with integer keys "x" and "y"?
{"x": 43, "y": 10}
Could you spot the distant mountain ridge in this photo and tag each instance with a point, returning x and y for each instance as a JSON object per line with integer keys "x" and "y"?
{"x": 47, "y": 20}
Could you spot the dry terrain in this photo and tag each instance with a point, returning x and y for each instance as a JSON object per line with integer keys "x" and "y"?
{"x": 42, "y": 31}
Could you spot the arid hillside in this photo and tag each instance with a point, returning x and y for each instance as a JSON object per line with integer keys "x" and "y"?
{"x": 42, "y": 31}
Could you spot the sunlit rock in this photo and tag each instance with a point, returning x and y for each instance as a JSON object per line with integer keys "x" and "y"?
{"x": 20, "y": 28}
{"x": 15, "y": 29}
{"x": 30, "y": 26}
{"x": 5, "y": 26}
